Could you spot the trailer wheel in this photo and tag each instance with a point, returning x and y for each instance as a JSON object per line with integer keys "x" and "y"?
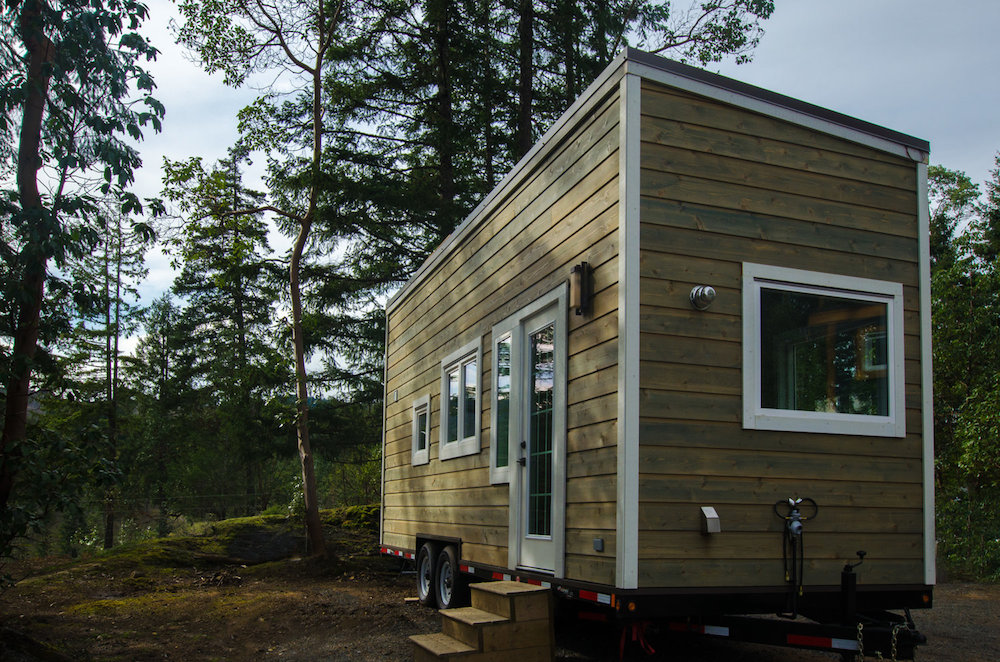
{"x": 426, "y": 578}
{"x": 450, "y": 586}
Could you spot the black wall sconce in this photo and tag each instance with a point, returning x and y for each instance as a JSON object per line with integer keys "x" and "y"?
{"x": 581, "y": 288}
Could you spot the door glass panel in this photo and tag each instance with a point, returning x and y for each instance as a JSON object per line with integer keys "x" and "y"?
{"x": 540, "y": 431}
{"x": 503, "y": 401}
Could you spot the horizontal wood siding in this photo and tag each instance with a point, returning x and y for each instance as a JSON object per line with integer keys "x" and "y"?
{"x": 723, "y": 186}
{"x": 562, "y": 213}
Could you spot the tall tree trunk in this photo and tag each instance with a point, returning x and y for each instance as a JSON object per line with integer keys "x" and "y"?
{"x": 240, "y": 324}
{"x": 526, "y": 75}
{"x": 439, "y": 12}
{"x": 33, "y": 258}
{"x": 314, "y": 526}
{"x": 569, "y": 48}
{"x": 109, "y": 495}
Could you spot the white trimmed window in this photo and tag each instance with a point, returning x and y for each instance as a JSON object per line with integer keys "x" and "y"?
{"x": 460, "y": 402}
{"x": 513, "y": 361}
{"x": 502, "y": 416}
{"x": 822, "y": 353}
{"x": 421, "y": 430}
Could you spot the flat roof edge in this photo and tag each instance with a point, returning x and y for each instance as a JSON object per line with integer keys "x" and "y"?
{"x": 773, "y": 98}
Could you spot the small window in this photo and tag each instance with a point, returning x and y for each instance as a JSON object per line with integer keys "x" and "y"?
{"x": 822, "y": 352}
{"x": 421, "y": 430}
{"x": 460, "y": 395}
{"x": 501, "y": 416}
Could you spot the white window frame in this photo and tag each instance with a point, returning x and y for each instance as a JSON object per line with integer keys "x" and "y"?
{"x": 459, "y": 359}
{"x": 512, "y": 326}
{"x": 758, "y": 276}
{"x": 421, "y": 405}
{"x": 498, "y": 474}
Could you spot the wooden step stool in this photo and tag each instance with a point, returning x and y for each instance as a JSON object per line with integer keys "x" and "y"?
{"x": 507, "y": 621}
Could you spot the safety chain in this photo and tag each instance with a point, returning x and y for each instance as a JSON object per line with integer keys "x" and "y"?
{"x": 895, "y": 634}
{"x": 860, "y": 657}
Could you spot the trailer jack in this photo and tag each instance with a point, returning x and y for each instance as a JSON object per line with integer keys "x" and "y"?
{"x": 636, "y": 632}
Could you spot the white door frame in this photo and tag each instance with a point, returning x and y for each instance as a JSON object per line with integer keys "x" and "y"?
{"x": 555, "y": 304}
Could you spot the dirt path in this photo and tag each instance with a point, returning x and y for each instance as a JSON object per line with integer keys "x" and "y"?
{"x": 355, "y": 611}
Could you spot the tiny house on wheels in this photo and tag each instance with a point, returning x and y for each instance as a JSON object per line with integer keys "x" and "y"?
{"x": 677, "y": 364}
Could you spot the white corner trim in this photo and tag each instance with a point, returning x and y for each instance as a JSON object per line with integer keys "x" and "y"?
{"x": 464, "y": 445}
{"x": 627, "y": 518}
{"x": 926, "y": 377}
{"x": 755, "y": 416}
{"x": 385, "y": 401}
{"x": 772, "y": 110}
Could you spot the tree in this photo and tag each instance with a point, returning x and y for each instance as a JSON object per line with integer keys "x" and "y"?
{"x": 163, "y": 373}
{"x": 966, "y": 305}
{"x": 239, "y": 37}
{"x": 109, "y": 276}
{"x": 446, "y": 97}
{"x": 232, "y": 289}
{"x": 70, "y": 70}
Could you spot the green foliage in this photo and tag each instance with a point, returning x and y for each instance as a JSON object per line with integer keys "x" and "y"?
{"x": 75, "y": 96}
{"x": 966, "y": 306}
{"x": 426, "y": 115}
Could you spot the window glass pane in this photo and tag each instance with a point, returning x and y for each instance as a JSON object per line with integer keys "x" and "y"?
{"x": 422, "y": 430}
{"x": 823, "y": 353}
{"x": 469, "y": 414}
{"x": 541, "y": 432}
{"x": 503, "y": 401}
{"x": 453, "y": 405}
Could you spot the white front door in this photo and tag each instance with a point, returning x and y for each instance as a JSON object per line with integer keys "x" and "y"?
{"x": 530, "y": 411}
{"x": 537, "y": 454}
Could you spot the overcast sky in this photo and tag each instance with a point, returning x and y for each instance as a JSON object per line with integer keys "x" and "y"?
{"x": 928, "y": 68}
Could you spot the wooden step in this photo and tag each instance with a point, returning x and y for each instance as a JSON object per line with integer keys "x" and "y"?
{"x": 439, "y": 646}
{"x": 514, "y": 600}
{"x": 467, "y": 624}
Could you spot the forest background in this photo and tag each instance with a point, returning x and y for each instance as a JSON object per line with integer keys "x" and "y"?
{"x": 384, "y": 125}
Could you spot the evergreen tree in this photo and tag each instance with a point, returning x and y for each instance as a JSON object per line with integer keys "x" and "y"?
{"x": 110, "y": 275}
{"x": 429, "y": 113}
{"x": 231, "y": 288}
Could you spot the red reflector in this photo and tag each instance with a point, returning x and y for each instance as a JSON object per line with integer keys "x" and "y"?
{"x": 815, "y": 642}
{"x": 588, "y": 595}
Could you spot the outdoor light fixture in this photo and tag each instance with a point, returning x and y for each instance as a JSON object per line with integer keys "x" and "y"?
{"x": 581, "y": 288}
{"x": 702, "y": 296}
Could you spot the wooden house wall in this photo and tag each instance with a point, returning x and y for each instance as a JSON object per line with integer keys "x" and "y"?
{"x": 721, "y": 186}
{"x": 564, "y": 212}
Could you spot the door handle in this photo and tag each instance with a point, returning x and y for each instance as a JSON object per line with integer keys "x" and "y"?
{"x": 522, "y": 461}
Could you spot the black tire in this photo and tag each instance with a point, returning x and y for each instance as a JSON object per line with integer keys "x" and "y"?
{"x": 450, "y": 588}
{"x": 426, "y": 575}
